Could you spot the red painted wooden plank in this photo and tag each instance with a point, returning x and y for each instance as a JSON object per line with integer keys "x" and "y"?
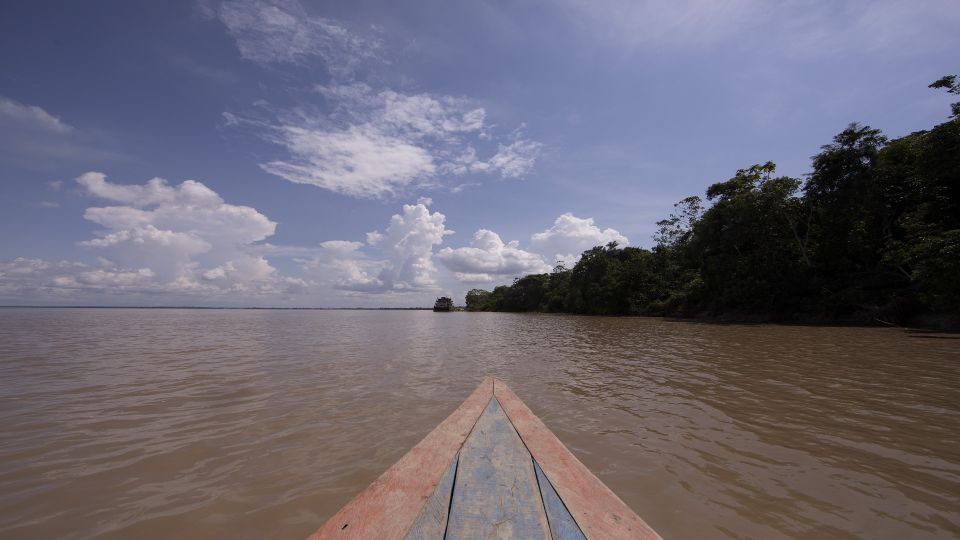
{"x": 562, "y": 524}
{"x": 432, "y": 521}
{"x": 388, "y": 508}
{"x": 598, "y": 511}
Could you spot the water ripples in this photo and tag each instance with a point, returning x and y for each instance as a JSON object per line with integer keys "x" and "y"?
{"x": 260, "y": 424}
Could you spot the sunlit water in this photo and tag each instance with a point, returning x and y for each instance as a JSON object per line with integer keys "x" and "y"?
{"x": 261, "y": 424}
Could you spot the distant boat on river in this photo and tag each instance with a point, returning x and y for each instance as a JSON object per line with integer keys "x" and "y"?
{"x": 443, "y": 304}
{"x": 492, "y": 469}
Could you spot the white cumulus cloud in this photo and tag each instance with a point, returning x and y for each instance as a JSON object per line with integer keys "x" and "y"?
{"x": 398, "y": 260}
{"x": 340, "y": 264}
{"x": 186, "y": 234}
{"x": 488, "y": 256}
{"x": 408, "y": 245}
{"x": 570, "y": 236}
{"x": 182, "y": 240}
{"x": 37, "y": 278}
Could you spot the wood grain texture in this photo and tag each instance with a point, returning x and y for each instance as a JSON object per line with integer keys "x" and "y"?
{"x": 562, "y": 524}
{"x": 432, "y": 521}
{"x": 388, "y": 508}
{"x": 496, "y": 493}
{"x": 599, "y": 513}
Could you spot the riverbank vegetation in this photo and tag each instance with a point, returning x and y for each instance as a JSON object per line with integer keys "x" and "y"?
{"x": 872, "y": 233}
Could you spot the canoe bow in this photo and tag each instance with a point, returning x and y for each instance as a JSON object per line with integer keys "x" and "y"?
{"x": 490, "y": 469}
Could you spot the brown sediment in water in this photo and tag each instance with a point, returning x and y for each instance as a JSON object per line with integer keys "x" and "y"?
{"x": 198, "y": 424}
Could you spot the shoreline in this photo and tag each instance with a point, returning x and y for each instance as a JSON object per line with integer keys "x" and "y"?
{"x": 923, "y": 323}
{"x": 932, "y": 323}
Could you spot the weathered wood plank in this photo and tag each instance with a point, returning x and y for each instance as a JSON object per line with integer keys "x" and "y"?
{"x": 599, "y": 513}
{"x": 562, "y": 524}
{"x": 432, "y": 521}
{"x": 388, "y": 508}
{"x": 495, "y": 494}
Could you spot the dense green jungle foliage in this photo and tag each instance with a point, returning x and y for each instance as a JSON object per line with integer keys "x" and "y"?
{"x": 872, "y": 234}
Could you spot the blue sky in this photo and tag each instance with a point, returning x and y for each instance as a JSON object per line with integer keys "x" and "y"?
{"x": 284, "y": 153}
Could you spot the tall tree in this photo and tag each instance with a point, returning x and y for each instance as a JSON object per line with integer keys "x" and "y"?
{"x": 749, "y": 259}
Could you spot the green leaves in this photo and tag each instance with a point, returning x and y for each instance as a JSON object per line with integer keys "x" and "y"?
{"x": 873, "y": 232}
{"x": 953, "y": 87}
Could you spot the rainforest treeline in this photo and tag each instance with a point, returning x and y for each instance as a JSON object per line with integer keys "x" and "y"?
{"x": 873, "y": 233}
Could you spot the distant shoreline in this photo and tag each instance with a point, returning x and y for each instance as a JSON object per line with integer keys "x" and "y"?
{"x": 225, "y": 307}
{"x": 935, "y": 323}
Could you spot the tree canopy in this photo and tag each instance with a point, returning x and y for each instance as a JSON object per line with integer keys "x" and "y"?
{"x": 872, "y": 232}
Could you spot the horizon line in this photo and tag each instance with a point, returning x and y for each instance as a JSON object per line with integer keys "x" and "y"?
{"x": 412, "y": 308}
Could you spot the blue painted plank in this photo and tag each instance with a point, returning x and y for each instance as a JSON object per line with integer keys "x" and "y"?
{"x": 562, "y": 524}
{"x": 495, "y": 494}
{"x": 432, "y": 521}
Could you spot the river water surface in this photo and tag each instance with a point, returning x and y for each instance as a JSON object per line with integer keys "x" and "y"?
{"x": 151, "y": 424}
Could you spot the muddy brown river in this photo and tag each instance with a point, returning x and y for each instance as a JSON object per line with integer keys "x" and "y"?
{"x": 151, "y": 424}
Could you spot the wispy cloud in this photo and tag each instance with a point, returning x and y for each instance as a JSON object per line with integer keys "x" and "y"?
{"x": 374, "y": 143}
{"x": 516, "y": 159}
{"x": 281, "y": 31}
{"x": 192, "y": 66}
{"x": 31, "y": 117}
{"x": 33, "y": 138}
{"x": 633, "y": 24}
{"x": 803, "y": 28}
{"x": 362, "y": 141}
{"x": 360, "y": 161}
{"x": 892, "y": 27}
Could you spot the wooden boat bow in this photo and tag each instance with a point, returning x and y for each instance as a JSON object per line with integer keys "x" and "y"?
{"x": 491, "y": 469}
